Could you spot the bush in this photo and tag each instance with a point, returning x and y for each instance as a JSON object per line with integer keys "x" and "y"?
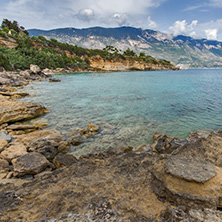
{"x": 4, "y": 62}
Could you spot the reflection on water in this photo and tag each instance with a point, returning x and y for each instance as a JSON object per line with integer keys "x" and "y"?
{"x": 131, "y": 106}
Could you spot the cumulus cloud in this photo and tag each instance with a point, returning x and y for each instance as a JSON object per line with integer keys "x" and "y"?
{"x": 211, "y": 34}
{"x": 86, "y": 14}
{"x": 120, "y": 19}
{"x": 183, "y": 28}
{"x": 152, "y": 24}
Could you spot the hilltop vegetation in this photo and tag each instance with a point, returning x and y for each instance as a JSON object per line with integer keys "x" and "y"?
{"x": 53, "y": 54}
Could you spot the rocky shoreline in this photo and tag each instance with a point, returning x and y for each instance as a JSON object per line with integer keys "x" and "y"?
{"x": 169, "y": 180}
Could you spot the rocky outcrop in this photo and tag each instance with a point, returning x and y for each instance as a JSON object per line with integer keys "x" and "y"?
{"x": 126, "y": 184}
{"x": 13, "y": 111}
{"x": 8, "y": 42}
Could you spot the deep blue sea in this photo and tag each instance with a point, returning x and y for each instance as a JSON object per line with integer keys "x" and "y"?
{"x": 131, "y": 106}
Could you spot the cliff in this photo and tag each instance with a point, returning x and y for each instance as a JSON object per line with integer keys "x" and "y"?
{"x": 102, "y": 64}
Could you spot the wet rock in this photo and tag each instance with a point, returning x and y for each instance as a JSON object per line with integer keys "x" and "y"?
{"x": 62, "y": 160}
{"x": 143, "y": 148}
{"x": 31, "y": 163}
{"x": 190, "y": 169}
{"x": 76, "y": 139}
{"x": 164, "y": 144}
{"x": 64, "y": 147}
{"x": 3, "y": 144}
{"x": 14, "y": 151}
{"x": 5, "y": 136}
{"x": 54, "y": 80}
{"x": 34, "y": 69}
{"x": 13, "y": 111}
{"x": 93, "y": 127}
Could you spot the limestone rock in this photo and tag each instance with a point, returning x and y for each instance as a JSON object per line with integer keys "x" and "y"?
{"x": 164, "y": 144}
{"x": 45, "y": 146}
{"x": 3, "y": 164}
{"x": 54, "y": 80}
{"x": 93, "y": 127}
{"x": 30, "y": 163}
{"x": 4, "y": 81}
{"x": 76, "y": 139}
{"x": 14, "y": 151}
{"x": 5, "y": 136}
{"x": 190, "y": 169}
{"x": 25, "y": 74}
{"x": 13, "y": 111}
{"x": 34, "y": 69}
{"x": 62, "y": 160}
{"x": 64, "y": 147}
{"x": 3, "y": 144}
{"x": 22, "y": 127}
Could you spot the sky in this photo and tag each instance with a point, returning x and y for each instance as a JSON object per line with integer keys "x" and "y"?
{"x": 195, "y": 18}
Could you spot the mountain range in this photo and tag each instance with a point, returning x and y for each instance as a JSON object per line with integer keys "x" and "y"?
{"x": 183, "y": 51}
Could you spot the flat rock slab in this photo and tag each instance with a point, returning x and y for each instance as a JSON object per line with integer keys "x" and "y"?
{"x": 190, "y": 169}
{"x": 13, "y": 111}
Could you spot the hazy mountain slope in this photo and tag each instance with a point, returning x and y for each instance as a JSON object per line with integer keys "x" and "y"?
{"x": 179, "y": 49}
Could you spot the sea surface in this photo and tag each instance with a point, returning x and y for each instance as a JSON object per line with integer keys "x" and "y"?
{"x": 130, "y": 106}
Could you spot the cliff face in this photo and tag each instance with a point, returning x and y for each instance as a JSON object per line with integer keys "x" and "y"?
{"x": 8, "y": 43}
{"x": 125, "y": 64}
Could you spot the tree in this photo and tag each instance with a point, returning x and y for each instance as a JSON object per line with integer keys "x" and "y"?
{"x": 129, "y": 52}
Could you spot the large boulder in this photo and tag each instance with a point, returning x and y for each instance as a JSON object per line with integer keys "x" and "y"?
{"x": 13, "y": 111}
{"x": 34, "y": 69}
{"x": 31, "y": 163}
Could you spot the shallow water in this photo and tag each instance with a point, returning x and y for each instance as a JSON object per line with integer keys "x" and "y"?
{"x": 131, "y": 106}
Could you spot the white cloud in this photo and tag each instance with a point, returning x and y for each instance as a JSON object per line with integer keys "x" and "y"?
{"x": 56, "y": 13}
{"x": 211, "y": 34}
{"x": 86, "y": 15}
{"x": 183, "y": 28}
{"x": 120, "y": 19}
{"x": 152, "y": 24}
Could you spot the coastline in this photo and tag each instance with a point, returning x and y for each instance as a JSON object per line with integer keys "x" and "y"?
{"x": 125, "y": 184}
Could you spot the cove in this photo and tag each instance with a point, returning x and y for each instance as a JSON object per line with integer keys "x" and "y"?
{"x": 130, "y": 106}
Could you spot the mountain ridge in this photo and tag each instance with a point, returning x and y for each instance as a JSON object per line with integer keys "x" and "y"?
{"x": 179, "y": 49}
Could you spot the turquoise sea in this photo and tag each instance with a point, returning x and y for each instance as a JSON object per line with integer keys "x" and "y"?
{"x": 131, "y": 106}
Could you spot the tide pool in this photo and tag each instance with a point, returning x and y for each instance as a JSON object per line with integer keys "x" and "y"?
{"x": 131, "y": 106}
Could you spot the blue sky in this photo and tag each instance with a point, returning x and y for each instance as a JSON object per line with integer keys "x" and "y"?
{"x": 198, "y": 18}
